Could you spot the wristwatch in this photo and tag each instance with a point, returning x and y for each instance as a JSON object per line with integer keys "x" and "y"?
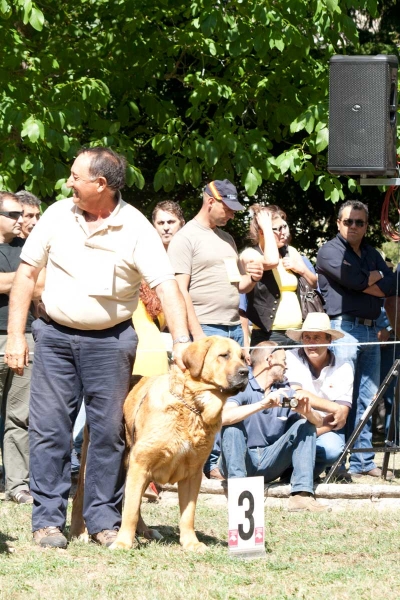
{"x": 182, "y": 339}
{"x": 381, "y": 274}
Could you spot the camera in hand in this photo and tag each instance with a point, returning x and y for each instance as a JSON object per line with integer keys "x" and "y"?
{"x": 288, "y": 402}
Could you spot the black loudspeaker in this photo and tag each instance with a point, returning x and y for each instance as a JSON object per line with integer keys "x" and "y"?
{"x": 362, "y": 115}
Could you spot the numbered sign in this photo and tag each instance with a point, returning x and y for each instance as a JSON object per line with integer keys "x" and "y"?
{"x": 246, "y": 517}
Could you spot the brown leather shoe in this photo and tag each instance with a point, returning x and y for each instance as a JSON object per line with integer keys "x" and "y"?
{"x": 50, "y": 537}
{"x": 376, "y": 472}
{"x": 105, "y": 537}
{"x": 304, "y": 502}
{"x": 214, "y": 474}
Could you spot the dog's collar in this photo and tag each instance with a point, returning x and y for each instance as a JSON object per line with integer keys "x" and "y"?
{"x": 185, "y": 403}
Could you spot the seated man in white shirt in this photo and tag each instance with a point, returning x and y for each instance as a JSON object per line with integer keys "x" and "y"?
{"x": 329, "y": 380}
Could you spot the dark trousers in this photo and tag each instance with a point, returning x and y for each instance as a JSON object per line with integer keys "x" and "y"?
{"x": 68, "y": 363}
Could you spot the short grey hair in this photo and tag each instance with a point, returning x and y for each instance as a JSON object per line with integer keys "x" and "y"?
{"x": 25, "y": 197}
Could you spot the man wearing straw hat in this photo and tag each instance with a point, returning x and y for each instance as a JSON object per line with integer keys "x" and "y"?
{"x": 261, "y": 436}
{"x": 328, "y": 380}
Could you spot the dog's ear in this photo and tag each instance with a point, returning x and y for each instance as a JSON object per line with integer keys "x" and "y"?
{"x": 193, "y": 357}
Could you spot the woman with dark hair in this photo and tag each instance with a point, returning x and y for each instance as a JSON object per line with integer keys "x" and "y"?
{"x": 273, "y": 306}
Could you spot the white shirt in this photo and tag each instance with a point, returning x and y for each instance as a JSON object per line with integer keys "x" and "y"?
{"x": 93, "y": 279}
{"x": 335, "y": 382}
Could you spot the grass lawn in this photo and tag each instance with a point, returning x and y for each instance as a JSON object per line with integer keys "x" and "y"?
{"x": 340, "y": 555}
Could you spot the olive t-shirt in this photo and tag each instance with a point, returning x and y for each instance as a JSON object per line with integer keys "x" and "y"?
{"x": 208, "y": 255}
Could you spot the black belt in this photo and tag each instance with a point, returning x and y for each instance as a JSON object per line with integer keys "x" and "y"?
{"x": 355, "y": 320}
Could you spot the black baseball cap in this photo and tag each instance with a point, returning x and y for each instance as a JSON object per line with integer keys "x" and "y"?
{"x": 224, "y": 191}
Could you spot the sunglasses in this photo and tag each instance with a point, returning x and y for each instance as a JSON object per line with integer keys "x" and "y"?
{"x": 349, "y": 222}
{"x": 281, "y": 228}
{"x": 11, "y": 214}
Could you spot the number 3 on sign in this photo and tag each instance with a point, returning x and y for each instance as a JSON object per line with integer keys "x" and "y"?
{"x": 246, "y": 517}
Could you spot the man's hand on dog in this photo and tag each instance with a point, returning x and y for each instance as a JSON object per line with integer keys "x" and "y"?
{"x": 177, "y": 354}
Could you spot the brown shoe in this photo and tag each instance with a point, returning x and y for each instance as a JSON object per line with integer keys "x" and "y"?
{"x": 300, "y": 502}
{"x": 50, "y": 537}
{"x": 105, "y": 537}
{"x": 376, "y": 472}
{"x": 214, "y": 474}
{"x": 22, "y": 497}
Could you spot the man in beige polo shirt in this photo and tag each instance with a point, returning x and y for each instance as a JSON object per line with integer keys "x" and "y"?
{"x": 97, "y": 248}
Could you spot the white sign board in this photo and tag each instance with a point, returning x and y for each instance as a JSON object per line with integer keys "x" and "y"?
{"x": 246, "y": 517}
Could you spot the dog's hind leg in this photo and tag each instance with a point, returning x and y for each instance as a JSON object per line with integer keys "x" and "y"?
{"x": 188, "y": 491}
{"x": 78, "y": 528}
{"x": 136, "y": 483}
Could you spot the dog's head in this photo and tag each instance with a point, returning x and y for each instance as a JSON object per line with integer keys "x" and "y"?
{"x": 218, "y": 361}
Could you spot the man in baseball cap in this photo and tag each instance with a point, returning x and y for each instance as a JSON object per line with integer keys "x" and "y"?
{"x": 207, "y": 268}
{"x": 224, "y": 191}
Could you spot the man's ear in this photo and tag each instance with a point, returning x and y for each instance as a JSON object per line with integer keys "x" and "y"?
{"x": 101, "y": 184}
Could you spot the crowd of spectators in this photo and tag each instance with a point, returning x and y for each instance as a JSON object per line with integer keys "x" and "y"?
{"x": 76, "y": 277}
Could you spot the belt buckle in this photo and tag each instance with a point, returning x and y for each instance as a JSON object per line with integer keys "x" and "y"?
{"x": 368, "y": 322}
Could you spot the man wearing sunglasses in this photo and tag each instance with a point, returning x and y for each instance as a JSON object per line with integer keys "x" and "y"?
{"x": 14, "y": 390}
{"x": 353, "y": 278}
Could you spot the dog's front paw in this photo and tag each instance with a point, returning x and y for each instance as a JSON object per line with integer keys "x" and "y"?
{"x": 197, "y": 546}
{"x": 120, "y": 546}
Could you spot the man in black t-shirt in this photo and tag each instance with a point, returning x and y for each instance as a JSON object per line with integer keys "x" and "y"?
{"x": 14, "y": 390}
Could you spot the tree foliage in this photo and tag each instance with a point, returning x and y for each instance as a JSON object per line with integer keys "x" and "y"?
{"x": 188, "y": 91}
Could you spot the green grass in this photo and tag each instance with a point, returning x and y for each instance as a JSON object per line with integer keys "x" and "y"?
{"x": 341, "y": 555}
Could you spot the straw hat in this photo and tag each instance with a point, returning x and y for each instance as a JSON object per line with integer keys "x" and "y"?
{"x": 314, "y": 321}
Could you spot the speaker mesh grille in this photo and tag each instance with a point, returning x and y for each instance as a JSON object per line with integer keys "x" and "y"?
{"x": 357, "y": 136}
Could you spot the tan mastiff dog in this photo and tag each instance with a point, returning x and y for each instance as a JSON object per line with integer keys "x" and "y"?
{"x": 170, "y": 424}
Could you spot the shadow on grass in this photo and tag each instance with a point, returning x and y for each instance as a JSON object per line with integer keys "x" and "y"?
{"x": 4, "y": 543}
{"x": 171, "y": 536}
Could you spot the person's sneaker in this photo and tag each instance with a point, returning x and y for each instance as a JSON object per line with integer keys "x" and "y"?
{"x": 299, "y": 502}
{"x": 376, "y": 472}
{"x": 106, "y": 537}
{"x": 50, "y": 537}
{"x": 214, "y": 474}
{"x": 22, "y": 497}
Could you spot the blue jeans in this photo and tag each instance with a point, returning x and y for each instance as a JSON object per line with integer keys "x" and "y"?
{"x": 294, "y": 448}
{"x": 389, "y": 353}
{"x": 329, "y": 447}
{"x": 366, "y": 361}
{"x": 234, "y": 332}
{"x": 68, "y": 363}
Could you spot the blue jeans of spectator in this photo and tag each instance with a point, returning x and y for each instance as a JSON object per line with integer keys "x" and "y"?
{"x": 365, "y": 361}
{"x": 329, "y": 447}
{"x": 234, "y": 332}
{"x": 68, "y": 363}
{"x": 296, "y": 447}
{"x": 389, "y": 353}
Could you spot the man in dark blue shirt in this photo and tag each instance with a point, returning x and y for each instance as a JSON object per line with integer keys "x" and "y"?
{"x": 260, "y": 437}
{"x": 353, "y": 279}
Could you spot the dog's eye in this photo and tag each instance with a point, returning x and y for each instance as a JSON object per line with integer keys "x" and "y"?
{"x": 226, "y": 355}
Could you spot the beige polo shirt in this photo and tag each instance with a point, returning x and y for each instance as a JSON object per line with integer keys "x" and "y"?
{"x": 93, "y": 279}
